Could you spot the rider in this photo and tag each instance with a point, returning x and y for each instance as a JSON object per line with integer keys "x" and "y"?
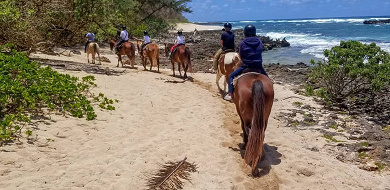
{"x": 146, "y": 40}
{"x": 90, "y": 38}
{"x": 124, "y": 37}
{"x": 251, "y": 49}
{"x": 179, "y": 40}
{"x": 227, "y": 42}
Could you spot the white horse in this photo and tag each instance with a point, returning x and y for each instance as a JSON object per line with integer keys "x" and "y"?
{"x": 93, "y": 48}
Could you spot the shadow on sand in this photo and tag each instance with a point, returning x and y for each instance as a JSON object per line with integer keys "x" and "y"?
{"x": 270, "y": 157}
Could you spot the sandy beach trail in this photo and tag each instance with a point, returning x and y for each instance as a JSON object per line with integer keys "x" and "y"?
{"x": 158, "y": 120}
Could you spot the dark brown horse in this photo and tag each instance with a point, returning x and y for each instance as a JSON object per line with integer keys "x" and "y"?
{"x": 126, "y": 49}
{"x": 182, "y": 56}
{"x": 151, "y": 52}
{"x": 253, "y": 97}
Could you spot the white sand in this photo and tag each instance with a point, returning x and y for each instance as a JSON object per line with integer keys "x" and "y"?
{"x": 155, "y": 122}
{"x": 190, "y": 27}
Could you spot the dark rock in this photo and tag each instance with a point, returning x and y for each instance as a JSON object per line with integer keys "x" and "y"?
{"x": 387, "y": 21}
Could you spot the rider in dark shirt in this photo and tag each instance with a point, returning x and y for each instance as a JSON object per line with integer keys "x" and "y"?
{"x": 251, "y": 49}
{"x": 227, "y": 42}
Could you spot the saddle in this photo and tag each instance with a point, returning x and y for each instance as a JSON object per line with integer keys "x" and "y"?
{"x": 247, "y": 71}
{"x": 120, "y": 46}
{"x": 174, "y": 50}
{"x": 221, "y": 57}
{"x": 142, "y": 48}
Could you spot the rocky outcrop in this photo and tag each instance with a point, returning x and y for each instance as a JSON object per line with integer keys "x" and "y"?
{"x": 387, "y": 21}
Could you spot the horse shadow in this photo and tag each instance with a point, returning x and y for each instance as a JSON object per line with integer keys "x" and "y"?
{"x": 270, "y": 157}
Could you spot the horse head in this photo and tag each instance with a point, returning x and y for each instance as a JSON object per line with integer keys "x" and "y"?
{"x": 112, "y": 44}
{"x": 168, "y": 47}
{"x": 139, "y": 42}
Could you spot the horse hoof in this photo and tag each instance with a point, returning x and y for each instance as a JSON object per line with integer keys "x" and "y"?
{"x": 255, "y": 173}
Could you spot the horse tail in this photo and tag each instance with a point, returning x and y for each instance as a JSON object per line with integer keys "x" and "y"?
{"x": 254, "y": 148}
{"x": 132, "y": 50}
{"x": 188, "y": 56}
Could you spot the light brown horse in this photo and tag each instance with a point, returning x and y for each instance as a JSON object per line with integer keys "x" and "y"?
{"x": 253, "y": 97}
{"x": 126, "y": 49}
{"x": 182, "y": 56}
{"x": 93, "y": 48}
{"x": 227, "y": 63}
{"x": 150, "y": 51}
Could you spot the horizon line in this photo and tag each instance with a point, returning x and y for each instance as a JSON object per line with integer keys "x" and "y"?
{"x": 289, "y": 19}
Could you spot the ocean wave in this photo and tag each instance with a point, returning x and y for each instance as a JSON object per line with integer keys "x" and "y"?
{"x": 247, "y": 21}
{"x": 319, "y": 21}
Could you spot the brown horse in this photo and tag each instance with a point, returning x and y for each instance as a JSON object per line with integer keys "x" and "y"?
{"x": 93, "y": 48}
{"x": 126, "y": 49}
{"x": 253, "y": 97}
{"x": 150, "y": 51}
{"x": 227, "y": 64}
{"x": 182, "y": 56}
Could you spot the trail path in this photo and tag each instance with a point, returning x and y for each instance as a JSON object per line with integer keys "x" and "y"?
{"x": 158, "y": 120}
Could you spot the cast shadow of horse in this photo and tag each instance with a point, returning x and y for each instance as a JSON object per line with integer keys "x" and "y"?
{"x": 270, "y": 157}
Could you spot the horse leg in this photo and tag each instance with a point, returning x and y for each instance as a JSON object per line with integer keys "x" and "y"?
{"x": 180, "y": 70}
{"x": 119, "y": 59}
{"x": 151, "y": 63}
{"x": 173, "y": 67}
{"x": 93, "y": 58}
{"x": 88, "y": 56}
{"x": 144, "y": 63}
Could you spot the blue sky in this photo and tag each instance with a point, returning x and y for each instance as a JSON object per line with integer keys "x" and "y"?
{"x": 233, "y": 10}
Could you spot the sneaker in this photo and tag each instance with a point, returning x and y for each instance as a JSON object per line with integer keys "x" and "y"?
{"x": 228, "y": 97}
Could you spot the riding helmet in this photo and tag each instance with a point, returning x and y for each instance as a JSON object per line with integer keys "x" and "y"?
{"x": 123, "y": 27}
{"x": 145, "y": 32}
{"x": 249, "y": 30}
{"x": 227, "y": 25}
{"x": 179, "y": 32}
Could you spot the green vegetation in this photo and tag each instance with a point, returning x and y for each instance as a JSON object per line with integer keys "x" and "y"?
{"x": 330, "y": 138}
{"x": 29, "y": 90}
{"x": 362, "y": 155}
{"x": 297, "y": 104}
{"x": 348, "y": 70}
{"x": 42, "y": 24}
{"x": 365, "y": 144}
{"x": 334, "y": 126}
{"x": 380, "y": 166}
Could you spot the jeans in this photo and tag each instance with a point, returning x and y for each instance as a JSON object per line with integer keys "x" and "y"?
{"x": 239, "y": 71}
{"x": 119, "y": 44}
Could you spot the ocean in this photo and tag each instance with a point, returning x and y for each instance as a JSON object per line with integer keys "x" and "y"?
{"x": 310, "y": 37}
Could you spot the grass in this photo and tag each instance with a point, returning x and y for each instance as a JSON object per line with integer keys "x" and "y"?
{"x": 380, "y": 165}
{"x": 362, "y": 155}
{"x": 365, "y": 144}
{"x": 330, "y": 138}
{"x": 294, "y": 124}
{"x": 297, "y": 104}
{"x": 387, "y": 128}
{"x": 334, "y": 126}
{"x": 340, "y": 130}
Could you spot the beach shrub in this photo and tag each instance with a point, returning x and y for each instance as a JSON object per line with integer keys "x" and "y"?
{"x": 27, "y": 89}
{"x": 349, "y": 70}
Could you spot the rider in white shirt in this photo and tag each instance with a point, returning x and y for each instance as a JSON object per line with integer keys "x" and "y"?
{"x": 124, "y": 37}
{"x": 146, "y": 41}
{"x": 179, "y": 40}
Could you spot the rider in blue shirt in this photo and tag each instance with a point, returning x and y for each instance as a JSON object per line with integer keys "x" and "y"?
{"x": 90, "y": 38}
{"x": 251, "y": 49}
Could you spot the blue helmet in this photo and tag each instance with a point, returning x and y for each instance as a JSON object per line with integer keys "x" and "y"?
{"x": 249, "y": 30}
{"x": 123, "y": 27}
